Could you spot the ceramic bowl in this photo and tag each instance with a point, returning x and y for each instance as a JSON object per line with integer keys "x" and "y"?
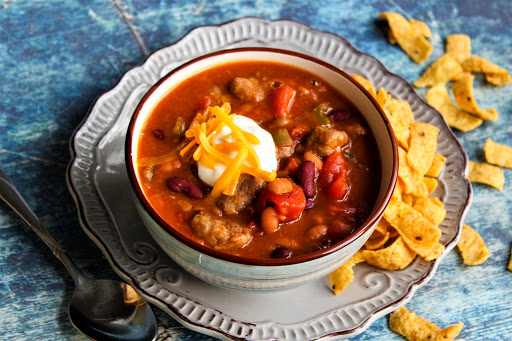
{"x": 255, "y": 274}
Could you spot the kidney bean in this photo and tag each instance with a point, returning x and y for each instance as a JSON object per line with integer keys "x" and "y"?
{"x": 307, "y": 178}
{"x": 309, "y": 156}
{"x": 158, "y": 134}
{"x": 184, "y": 186}
{"x": 204, "y": 102}
{"x": 338, "y": 115}
{"x": 309, "y": 204}
{"x": 338, "y": 230}
{"x": 281, "y": 252}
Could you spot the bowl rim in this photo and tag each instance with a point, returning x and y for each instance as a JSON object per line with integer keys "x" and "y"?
{"x": 216, "y": 254}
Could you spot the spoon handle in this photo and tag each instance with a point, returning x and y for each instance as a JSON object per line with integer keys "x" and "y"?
{"x": 13, "y": 198}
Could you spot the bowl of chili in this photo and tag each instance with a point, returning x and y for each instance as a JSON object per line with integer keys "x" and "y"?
{"x": 260, "y": 169}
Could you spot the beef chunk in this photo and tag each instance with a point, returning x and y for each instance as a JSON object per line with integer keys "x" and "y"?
{"x": 324, "y": 141}
{"x": 247, "y": 89}
{"x": 220, "y": 233}
{"x": 284, "y": 151}
{"x": 246, "y": 190}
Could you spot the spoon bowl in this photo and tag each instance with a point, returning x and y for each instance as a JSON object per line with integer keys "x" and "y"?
{"x": 100, "y": 309}
{"x": 110, "y": 310}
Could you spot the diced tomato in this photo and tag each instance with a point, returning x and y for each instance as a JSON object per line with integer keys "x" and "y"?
{"x": 334, "y": 176}
{"x": 204, "y": 102}
{"x": 289, "y": 206}
{"x": 282, "y": 101}
{"x": 334, "y": 165}
{"x": 337, "y": 189}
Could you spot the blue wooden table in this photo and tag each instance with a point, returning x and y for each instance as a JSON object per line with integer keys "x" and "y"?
{"x": 56, "y": 57}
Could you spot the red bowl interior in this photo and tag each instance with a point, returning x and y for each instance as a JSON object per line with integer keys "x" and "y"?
{"x": 369, "y": 222}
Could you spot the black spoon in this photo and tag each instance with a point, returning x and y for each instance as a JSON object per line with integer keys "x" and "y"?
{"x": 100, "y": 309}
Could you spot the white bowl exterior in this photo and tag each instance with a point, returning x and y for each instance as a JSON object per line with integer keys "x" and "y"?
{"x": 241, "y": 276}
{"x": 232, "y": 275}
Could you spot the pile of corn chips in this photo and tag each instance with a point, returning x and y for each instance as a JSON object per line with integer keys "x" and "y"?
{"x": 410, "y": 222}
{"x": 456, "y": 65}
{"x": 410, "y": 225}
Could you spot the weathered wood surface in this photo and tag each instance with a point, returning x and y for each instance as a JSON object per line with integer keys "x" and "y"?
{"x": 56, "y": 57}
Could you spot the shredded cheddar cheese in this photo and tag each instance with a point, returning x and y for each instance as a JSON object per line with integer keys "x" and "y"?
{"x": 203, "y": 132}
{"x": 229, "y": 173}
{"x": 156, "y": 160}
{"x": 230, "y": 189}
{"x": 237, "y": 133}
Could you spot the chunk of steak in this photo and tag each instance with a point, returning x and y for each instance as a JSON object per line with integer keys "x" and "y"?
{"x": 323, "y": 141}
{"x": 247, "y": 89}
{"x": 220, "y": 233}
{"x": 246, "y": 190}
{"x": 284, "y": 151}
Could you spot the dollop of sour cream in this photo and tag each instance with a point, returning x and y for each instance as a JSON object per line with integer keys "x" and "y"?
{"x": 266, "y": 150}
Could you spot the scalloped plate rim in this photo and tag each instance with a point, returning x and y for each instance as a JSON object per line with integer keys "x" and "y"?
{"x": 196, "y": 326}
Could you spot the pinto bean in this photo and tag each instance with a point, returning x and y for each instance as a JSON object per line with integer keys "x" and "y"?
{"x": 280, "y": 186}
{"x": 184, "y": 186}
{"x": 318, "y": 218}
{"x": 309, "y": 156}
{"x": 307, "y": 178}
{"x": 169, "y": 166}
{"x": 269, "y": 220}
{"x": 282, "y": 241}
{"x": 317, "y": 232}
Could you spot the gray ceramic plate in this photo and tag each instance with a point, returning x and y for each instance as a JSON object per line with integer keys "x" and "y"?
{"x": 98, "y": 180}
